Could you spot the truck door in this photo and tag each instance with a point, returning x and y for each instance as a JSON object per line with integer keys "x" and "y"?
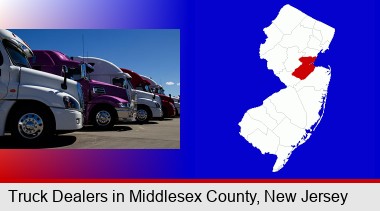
{"x": 3, "y": 78}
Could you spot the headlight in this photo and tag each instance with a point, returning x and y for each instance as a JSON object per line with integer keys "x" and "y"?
{"x": 157, "y": 105}
{"x": 124, "y": 105}
{"x": 70, "y": 103}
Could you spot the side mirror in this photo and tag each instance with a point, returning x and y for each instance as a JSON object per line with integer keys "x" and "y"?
{"x": 89, "y": 68}
{"x": 83, "y": 72}
{"x": 65, "y": 71}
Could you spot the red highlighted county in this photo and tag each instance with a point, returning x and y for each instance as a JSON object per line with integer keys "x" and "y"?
{"x": 305, "y": 68}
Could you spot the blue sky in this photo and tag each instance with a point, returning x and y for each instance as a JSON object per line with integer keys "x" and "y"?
{"x": 154, "y": 53}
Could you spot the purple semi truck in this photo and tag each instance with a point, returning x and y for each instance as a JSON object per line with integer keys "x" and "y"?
{"x": 104, "y": 104}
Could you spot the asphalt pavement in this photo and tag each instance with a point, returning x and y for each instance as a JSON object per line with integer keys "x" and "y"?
{"x": 157, "y": 134}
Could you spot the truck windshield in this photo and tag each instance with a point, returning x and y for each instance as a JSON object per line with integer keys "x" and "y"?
{"x": 119, "y": 82}
{"x": 147, "y": 88}
{"x": 75, "y": 73}
{"x": 159, "y": 90}
{"x": 17, "y": 55}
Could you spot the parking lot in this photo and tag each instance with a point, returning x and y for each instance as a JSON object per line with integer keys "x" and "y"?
{"x": 157, "y": 134}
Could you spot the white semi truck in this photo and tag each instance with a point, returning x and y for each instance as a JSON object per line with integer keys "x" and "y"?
{"x": 34, "y": 105}
{"x": 148, "y": 104}
{"x": 177, "y": 104}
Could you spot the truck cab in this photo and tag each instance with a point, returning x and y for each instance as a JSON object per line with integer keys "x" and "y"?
{"x": 104, "y": 104}
{"x": 34, "y": 105}
{"x": 177, "y": 104}
{"x": 148, "y": 105}
{"x": 168, "y": 104}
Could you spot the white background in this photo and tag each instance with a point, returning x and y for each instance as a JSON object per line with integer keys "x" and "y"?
{"x": 360, "y": 196}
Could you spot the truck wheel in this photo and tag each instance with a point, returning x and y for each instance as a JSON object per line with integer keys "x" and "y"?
{"x": 104, "y": 118}
{"x": 31, "y": 125}
{"x": 164, "y": 112}
{"x": 143, "y": 115}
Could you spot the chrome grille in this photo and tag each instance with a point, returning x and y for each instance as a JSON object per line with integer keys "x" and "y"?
{"x": 98, "y": 90}
{"x": 80, "y": 95}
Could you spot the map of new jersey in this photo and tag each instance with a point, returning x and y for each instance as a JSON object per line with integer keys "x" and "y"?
{"x": 288, "y": 118}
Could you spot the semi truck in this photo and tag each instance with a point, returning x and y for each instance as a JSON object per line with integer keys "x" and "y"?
{"x": 177, "y": 104}
{"x": 104, "y": 104}
{"x": 148, "y": 104}
{"x": 144, "y": 96}
{"x": 34, "y": 105}
{"x": 169, "y": 107}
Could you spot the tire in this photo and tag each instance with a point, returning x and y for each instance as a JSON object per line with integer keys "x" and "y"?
{"x": 103, "y": 118}
{"x": 143, "y": 115}
{"x": 32, "y": 125}
{"x": 164, "y": 113}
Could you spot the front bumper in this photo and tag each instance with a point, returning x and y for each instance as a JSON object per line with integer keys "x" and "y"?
{"x": 67, "y": 119}
{"x": 126, "y": 114}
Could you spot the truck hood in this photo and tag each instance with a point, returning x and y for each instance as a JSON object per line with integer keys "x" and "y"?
{"x": 109, "y": 89}
{"x": 142, "y": 94}
{"x": 95, "y": 82}
{"x": 176, "y": 99}
{"x": 38, "y": 78}
{"x": 164, "y": 97}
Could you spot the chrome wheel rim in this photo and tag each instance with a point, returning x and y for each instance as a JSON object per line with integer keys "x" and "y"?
{"x": 30, "y": 126}
{"x": 103, "y": 118}
{"x": 142, "y": 115}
